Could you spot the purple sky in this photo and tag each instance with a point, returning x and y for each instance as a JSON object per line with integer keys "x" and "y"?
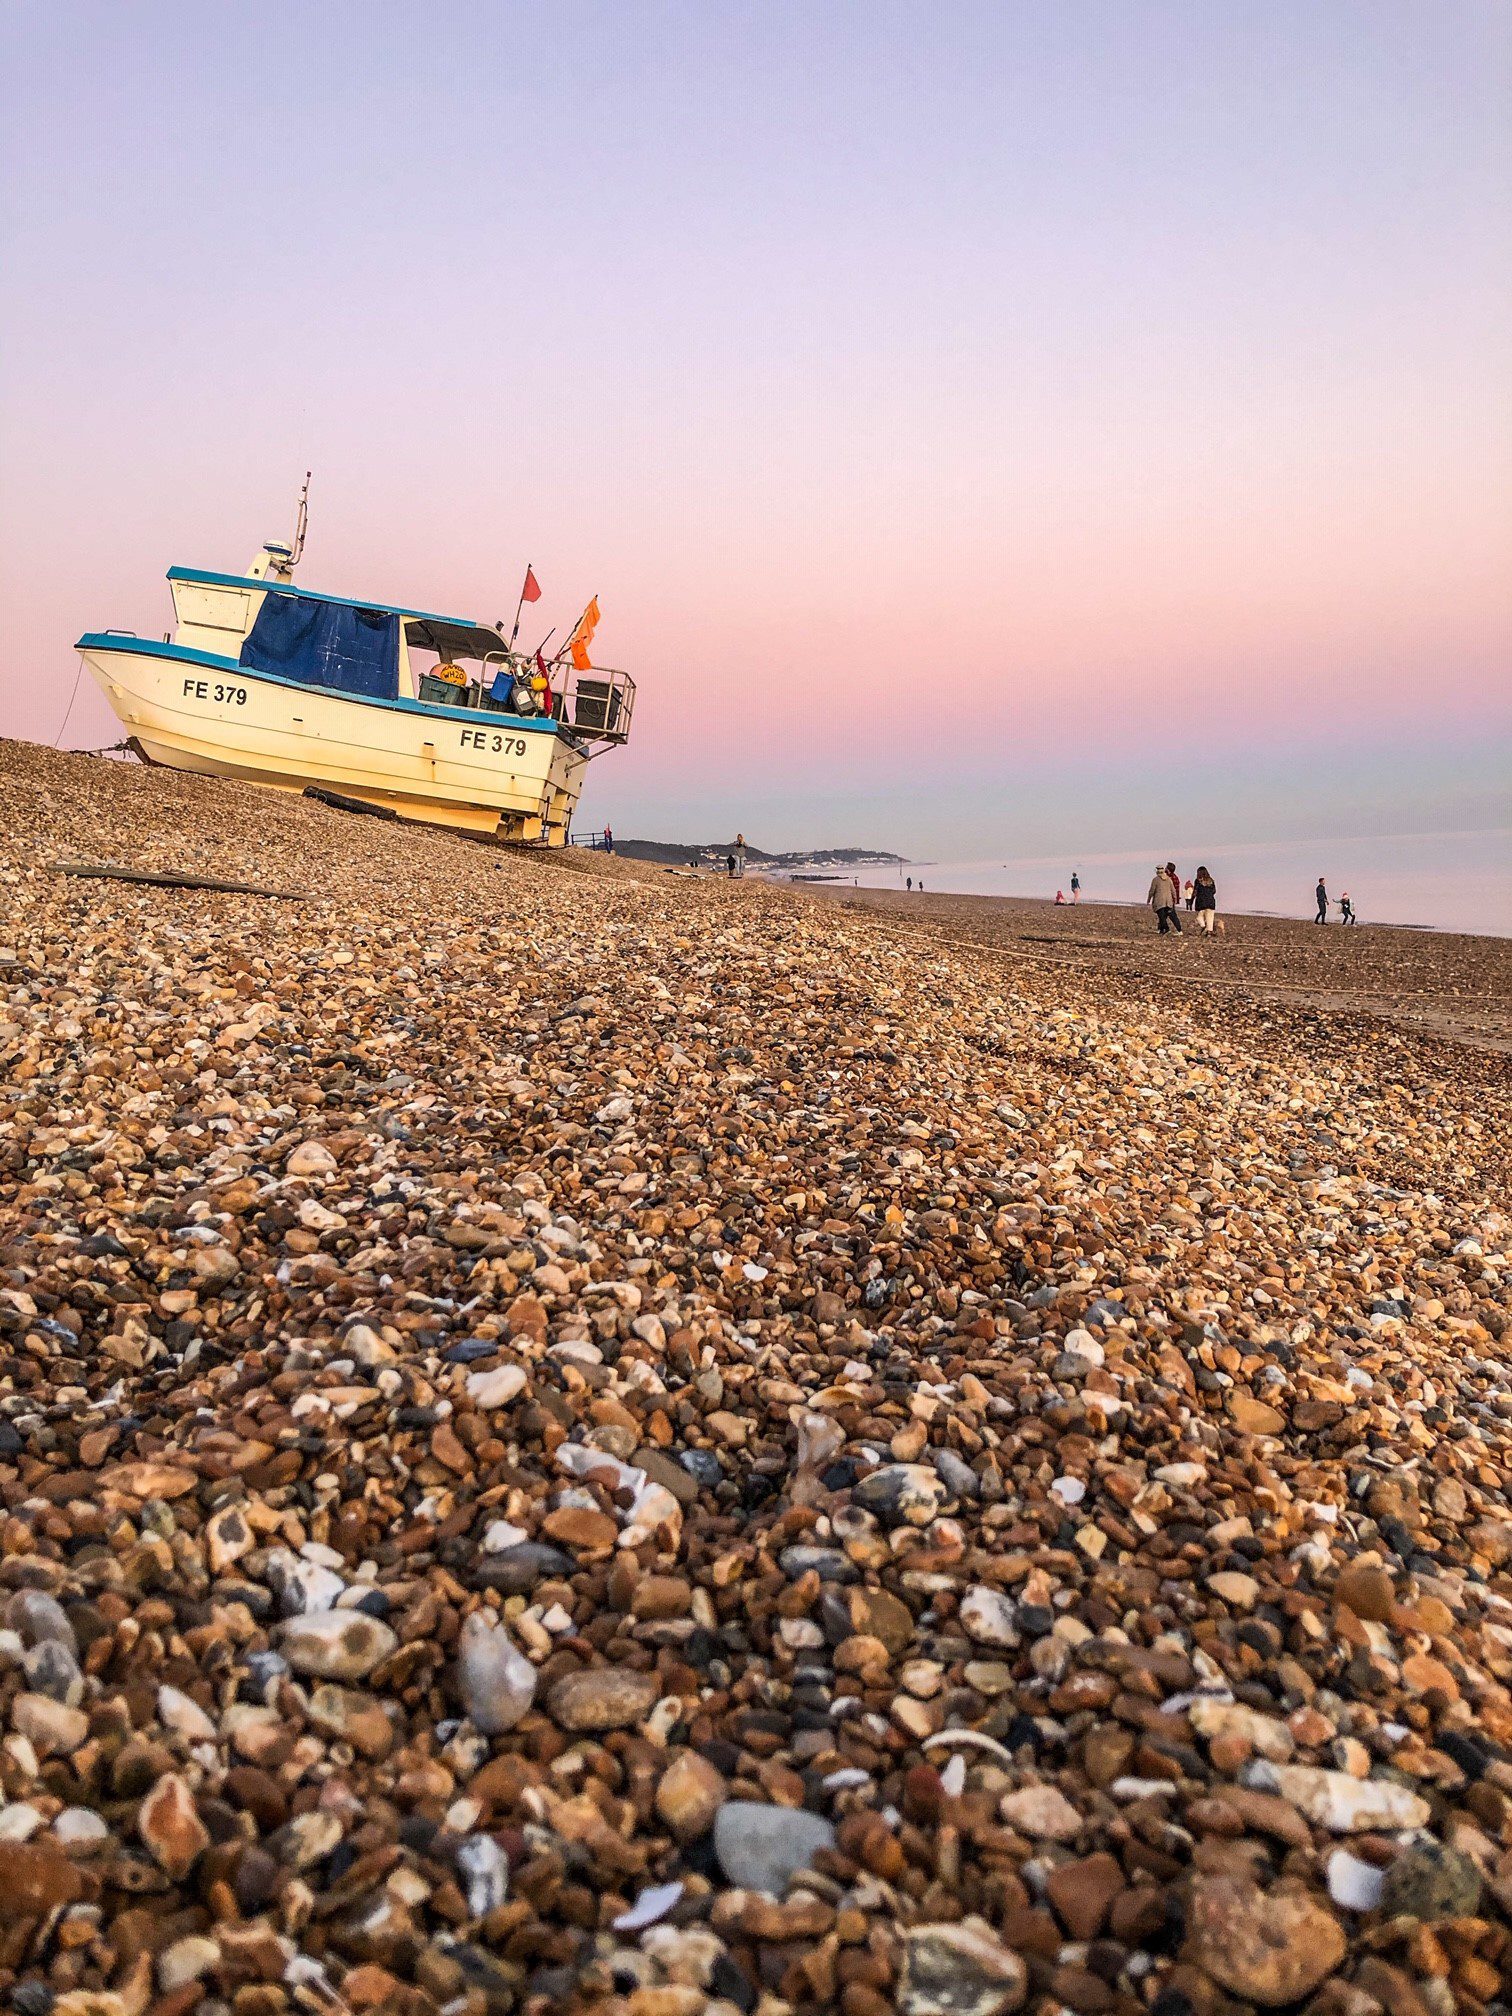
{"x": 988, "y": 429}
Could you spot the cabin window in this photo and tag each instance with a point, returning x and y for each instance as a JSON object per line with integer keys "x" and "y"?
{"x": 458, "y": 664}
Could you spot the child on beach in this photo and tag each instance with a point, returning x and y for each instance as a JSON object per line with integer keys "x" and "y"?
{"x": 1346, "y": 909}
{"x": 1075, "y": 887}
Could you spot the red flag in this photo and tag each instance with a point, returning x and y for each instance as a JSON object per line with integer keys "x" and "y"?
{"x": 531, "y": 592}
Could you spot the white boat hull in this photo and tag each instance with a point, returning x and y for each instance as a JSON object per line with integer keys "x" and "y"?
{"x": 478, "y": 770}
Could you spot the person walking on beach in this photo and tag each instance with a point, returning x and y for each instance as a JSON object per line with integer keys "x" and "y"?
{"x": 1322, "y": 895}
{"x": 1189, "y": 892}
{"x": 1205, "y": 901}
{"x": 910, "y": 885}
{"x": 1346, "y": 909}
{"x": 1162, "y": 895}
{"x": 1075, "y": 887}
{"x": 608, "y": 839}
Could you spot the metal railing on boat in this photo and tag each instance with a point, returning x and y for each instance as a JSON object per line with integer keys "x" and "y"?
{"x": 595, "y": 704}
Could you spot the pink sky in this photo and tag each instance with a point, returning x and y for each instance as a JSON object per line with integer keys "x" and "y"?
{"x": 948, "y": 408}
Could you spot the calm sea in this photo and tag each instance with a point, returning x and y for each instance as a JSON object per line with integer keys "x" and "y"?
{"x": 1448, "y": 881}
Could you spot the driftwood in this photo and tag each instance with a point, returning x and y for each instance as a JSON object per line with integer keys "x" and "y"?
{"x": 108, "y": 871}
{"x": 339, "y": 804}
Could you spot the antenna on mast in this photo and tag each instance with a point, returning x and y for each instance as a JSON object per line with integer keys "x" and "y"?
{"x": 302, "y": 522}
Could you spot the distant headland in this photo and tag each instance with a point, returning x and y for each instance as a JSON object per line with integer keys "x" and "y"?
{"x": 677, "y": 854}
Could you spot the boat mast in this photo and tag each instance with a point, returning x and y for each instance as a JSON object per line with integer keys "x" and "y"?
{"x": 278, "y": 559}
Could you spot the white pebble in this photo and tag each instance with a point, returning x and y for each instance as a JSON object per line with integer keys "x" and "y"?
{"x": 79, "y": 1827}
{"x": 649, "y": 1906}
{"x": 501, "y": 1535}
{"x": 1353, "y": 1884}
{"x": 496, "y": 1388}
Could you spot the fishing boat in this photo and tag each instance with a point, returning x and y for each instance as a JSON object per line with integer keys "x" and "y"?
{"x": 436, "y": 717}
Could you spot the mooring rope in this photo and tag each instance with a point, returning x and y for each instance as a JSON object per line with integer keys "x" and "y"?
{"x": 71, "y": 699}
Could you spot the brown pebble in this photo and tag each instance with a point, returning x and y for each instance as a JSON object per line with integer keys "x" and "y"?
{"x": 1082, "y": 1893}
{"x": 1367, "y": 1591}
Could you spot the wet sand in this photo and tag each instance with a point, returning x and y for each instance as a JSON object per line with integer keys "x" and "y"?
{"x": 1435, "y": 983}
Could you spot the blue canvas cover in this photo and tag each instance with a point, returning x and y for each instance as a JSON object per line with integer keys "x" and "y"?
{"x": 326, "y": 644}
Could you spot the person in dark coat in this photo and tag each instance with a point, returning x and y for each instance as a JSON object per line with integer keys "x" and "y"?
{"x": 1322, "y": 895}
{"x": 1205, "y": 901}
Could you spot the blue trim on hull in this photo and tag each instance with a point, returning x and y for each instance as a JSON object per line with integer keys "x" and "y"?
{"x": 254, "y": 587}
{"x": 184, "y": 654}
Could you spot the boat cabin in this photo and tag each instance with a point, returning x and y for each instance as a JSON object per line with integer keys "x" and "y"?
{"x": 384, "y": 653}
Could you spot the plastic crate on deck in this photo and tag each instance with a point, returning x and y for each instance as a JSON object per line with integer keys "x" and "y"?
{"x": 597, "y": 706}
{"x": 441, "y": 692}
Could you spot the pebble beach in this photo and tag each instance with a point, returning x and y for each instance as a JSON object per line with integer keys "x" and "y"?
{"x": 581, "y": 1438}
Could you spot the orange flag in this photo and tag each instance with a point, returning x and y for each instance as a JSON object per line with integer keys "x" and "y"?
{"x": 582, "y": 636}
